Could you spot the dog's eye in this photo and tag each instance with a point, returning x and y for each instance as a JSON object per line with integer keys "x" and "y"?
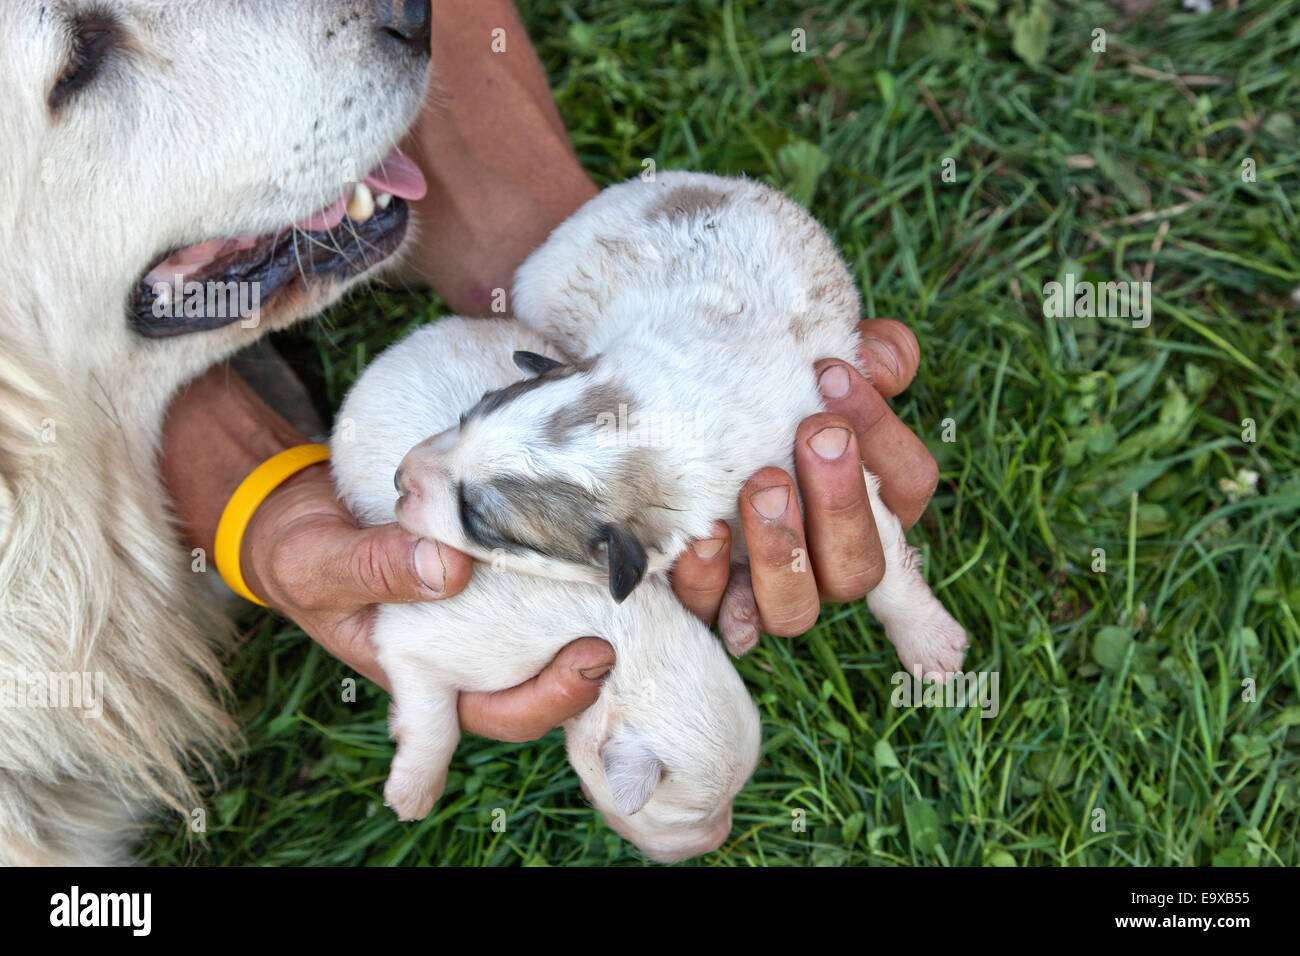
{"x": 470, "y": 518}
{"x": 93, "y": 38}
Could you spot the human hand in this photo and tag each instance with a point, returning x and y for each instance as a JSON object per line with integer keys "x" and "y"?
{"x": 305, "y": 555}
{"x": 838, "y": 533}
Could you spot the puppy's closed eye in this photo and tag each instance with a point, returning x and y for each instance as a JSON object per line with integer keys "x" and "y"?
{"x": 476, "y": 527}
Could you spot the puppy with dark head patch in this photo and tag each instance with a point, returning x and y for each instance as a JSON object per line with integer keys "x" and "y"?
{"x": 685, "y": 316}
{"x": 533, "y": 479}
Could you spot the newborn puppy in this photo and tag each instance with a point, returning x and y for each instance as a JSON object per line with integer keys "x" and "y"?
{"x": 685, "y": 315}
{"x": 672, "y": 737}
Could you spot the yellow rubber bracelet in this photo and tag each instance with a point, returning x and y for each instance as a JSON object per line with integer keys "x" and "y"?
{"x": 248, "y": 497}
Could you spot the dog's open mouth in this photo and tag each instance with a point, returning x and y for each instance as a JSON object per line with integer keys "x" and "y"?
{"x": 221, "y": 281}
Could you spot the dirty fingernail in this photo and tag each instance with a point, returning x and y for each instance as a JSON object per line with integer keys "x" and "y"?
{"x": 829, "y": 443}
{"x": 596, "y": 673}
{"x": 884, "y": 353}
{"x": 835, "y": 382}
{"x": 429, "y": 565}
{"x": 771, "y": 502}
{"x": 707, "y": 548}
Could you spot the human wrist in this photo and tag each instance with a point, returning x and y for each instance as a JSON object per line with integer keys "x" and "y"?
{"x": 303, "y": 499}
{"x": 216, "y": 433}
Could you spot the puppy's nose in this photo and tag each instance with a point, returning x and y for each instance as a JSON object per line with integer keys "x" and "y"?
{"x": 407, "y": 21}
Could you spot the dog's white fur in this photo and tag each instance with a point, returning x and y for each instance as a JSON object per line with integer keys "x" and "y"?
{"x": 691, "y": 299}
{"x": 213, "y": 119}
{"x": 673, "y": 706}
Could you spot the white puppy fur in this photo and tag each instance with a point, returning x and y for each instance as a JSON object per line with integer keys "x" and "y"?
{"x": 131, "y": 128}
{"x": 686, "y": 314}
{"x": 672, "y": 737}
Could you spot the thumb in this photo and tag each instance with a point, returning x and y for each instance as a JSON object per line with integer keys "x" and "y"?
{"x": 387, "y": 565}
{"x": 565, "y": 688}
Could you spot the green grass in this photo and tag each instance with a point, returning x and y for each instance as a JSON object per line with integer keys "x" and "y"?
{"x": 1120, "y": 691}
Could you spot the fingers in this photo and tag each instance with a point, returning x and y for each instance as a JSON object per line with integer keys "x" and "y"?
{"x": 568, "y": 686}
{"x": 699, "y": 577}
{"x": 889, "y": 355}
{"x": 783, "y": 580}
{"x": 387, "y": 565}
{"x": 303, "y": 551}
{"x": 847, "y": 558}
{"x": 907, "y": 471}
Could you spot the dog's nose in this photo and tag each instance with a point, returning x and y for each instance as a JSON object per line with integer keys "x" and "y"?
{"x": 407, "y": 21}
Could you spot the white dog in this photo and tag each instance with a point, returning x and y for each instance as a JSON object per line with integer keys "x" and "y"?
{"x": 673, "y": 736}
{"x": 688, "y": 312}
{"x": 156, "y": 138}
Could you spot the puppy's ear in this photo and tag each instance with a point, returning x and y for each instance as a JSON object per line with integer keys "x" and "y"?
{"x": 537, "y": 364}
{"x": 632, "y": 771}
{"x": 627, "y": 558}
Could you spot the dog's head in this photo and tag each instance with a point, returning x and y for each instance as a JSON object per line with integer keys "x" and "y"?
{"x": 674, "y": 736}
{"x": 538, "y": 477}
{"x": 244, "y": 146}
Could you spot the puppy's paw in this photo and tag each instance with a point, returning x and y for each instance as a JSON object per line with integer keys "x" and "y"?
{"x": 936, "y": 645}
{"x": 738, "y": 614}
{"x": 410, "y": 795}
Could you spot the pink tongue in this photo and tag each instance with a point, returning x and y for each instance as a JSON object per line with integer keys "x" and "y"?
{"x": 397, "y": 174}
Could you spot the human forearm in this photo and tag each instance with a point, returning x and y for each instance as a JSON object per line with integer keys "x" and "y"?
{"x": 500, "y": 168}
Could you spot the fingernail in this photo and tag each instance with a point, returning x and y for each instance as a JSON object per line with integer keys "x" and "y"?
{"x": 835, "y": 382}
{"x": 429, "y": 565}
{"x": 596, "y": 673}
{"x": 884, "y": 352}
{"x": 771, "y": 502}
{"x": 707, "y": 548}
{"x": 829, "y": 443}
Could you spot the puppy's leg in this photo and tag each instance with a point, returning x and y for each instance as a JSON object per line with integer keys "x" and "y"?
{"x": 738, "y": 613}
{"x": 925, "y": 635}
{"x": 422, "y": 719}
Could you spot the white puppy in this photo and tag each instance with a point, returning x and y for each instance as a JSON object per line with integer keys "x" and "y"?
{"x": 673, "y": 736}
{"x": 687, "y": 313}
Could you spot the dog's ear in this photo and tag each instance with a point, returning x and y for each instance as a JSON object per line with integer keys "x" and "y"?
{"x": 627, "y": 558}
{"x": 632, "y": 771}
{"x": 537, "y": 364}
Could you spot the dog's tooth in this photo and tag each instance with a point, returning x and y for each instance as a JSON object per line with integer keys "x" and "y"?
{"x": 362, "y": 206}
{"x": 383, "y": 199}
